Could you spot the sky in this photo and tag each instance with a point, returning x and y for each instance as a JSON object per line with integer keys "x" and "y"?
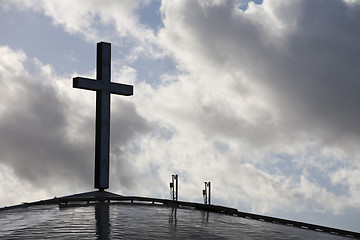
{"x": 258, "y": 97}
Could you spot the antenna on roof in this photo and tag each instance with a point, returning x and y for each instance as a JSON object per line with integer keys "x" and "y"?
{"x": 174, "y": 187}
{"x": 207, "y": 193}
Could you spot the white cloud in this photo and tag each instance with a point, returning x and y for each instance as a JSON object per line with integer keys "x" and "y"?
{"x": 113, "y": 21}
{"x": 12, "y": 185}
{"x": 352, "y": 2}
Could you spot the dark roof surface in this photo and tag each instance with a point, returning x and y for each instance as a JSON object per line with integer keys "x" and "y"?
{"x": 111, "y": 216}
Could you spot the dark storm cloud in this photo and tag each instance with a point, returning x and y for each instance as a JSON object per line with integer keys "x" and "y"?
{"x": 319, "y": 78}
{"x": 305, "y": 55}
{"x": 36, "y": 128}
{"x": 33, "y": 140}
{"x": 126, "y": 124}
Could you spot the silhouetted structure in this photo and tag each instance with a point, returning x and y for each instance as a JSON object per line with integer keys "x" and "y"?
{"x": 174, "y": 187}
{"x": 103, "y": 87}
{"x": 207, "y": 193}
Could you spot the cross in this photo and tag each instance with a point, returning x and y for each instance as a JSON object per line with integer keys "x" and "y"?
{"x": 103, "y": 87}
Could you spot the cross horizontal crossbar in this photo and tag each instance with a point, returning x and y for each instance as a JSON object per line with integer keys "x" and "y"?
{"x": 95, "y": 85}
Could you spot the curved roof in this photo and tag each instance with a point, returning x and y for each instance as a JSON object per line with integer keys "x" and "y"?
{"x": 111, "y": 216}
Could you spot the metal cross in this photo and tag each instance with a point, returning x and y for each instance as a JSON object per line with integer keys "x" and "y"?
{"x": 103, "y": 87}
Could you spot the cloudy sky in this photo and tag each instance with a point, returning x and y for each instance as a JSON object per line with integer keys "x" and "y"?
{"x": 260, "y": 98}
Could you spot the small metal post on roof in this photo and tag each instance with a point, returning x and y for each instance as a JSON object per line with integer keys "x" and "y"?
{"x": 209, "y": 188}
{"x": 207, "y": 193}
{"x": 174, "y": 187}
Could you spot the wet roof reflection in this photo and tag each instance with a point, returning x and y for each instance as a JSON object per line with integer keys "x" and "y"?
{"x": 139, "y": 221}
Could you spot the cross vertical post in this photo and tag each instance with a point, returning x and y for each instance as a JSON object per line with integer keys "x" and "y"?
{"x": 103, "y": 87}
{"x": 102, "y": 122}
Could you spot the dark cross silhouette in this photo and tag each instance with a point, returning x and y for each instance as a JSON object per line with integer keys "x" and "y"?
{"x": 103, "y": 87}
